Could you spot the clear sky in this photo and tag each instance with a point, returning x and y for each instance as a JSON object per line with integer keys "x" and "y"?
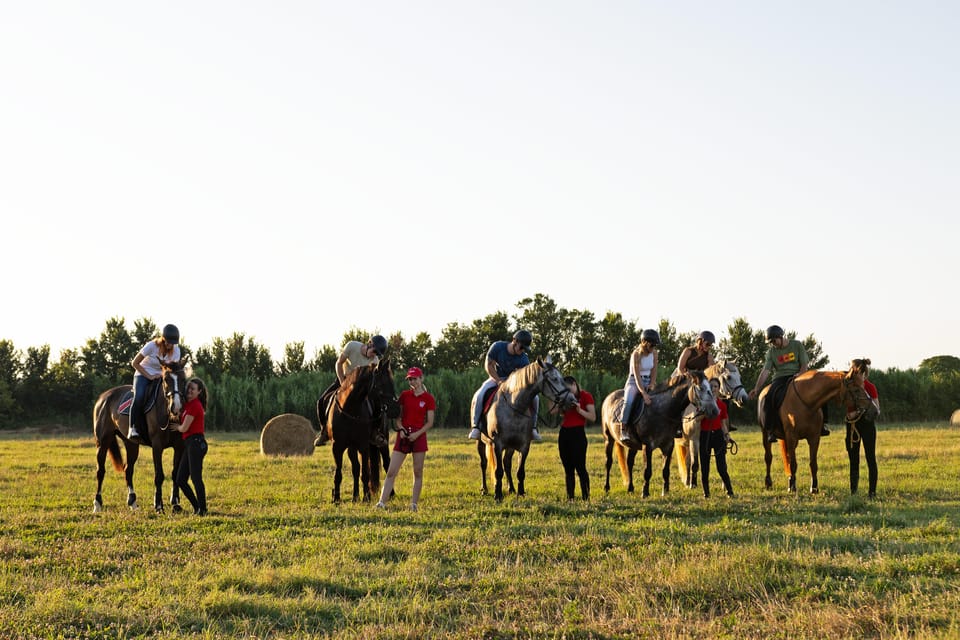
{"x": 291, "y": 170}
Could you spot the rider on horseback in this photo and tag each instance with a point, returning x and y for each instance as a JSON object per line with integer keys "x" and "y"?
{"x": 643, "y": 376}
{"x": 148, "y": 364}
{"x": 355, "y": 354}
{"x": 787, "y": 359}
{"x": 503, "y": 358}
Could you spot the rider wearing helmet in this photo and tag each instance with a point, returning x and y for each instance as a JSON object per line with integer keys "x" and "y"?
{"x": 698, "y": 356}
{"x": 355, "y": 354}
{"x": 148, "y": 365}
{"x": 503, "y": 358}
{"x": 785, "y": 358}
{"x": 643, "y": 376}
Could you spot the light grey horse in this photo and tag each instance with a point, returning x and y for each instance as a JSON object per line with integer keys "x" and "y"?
{"x": 510, "y": 421}
{"x": 688, "y": 447}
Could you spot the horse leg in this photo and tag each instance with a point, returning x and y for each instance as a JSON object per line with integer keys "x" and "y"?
{"x": 367, "y": 465}
{"x": 101, "y": 472}
{"x": 133, "y": 453}
{"x": 631, "y": 460}
{"x": 608, "y": 447}
{"x": 482, "y": 453}
{"x": 694, "y": 461}
{"x": 814, "y": 443}
{"x": 522, "y": 472}
{"x": 337, "y": 450}
{"x": 175, "y": 493}
{"x": 508, "y": 470}
{"x": 158, "y": 477}
{"x": 355, "y": 468}
{"x": 667, "y": 455}
{"x": 498, "y": 472}
{"x": 767, "y": 458}
{"x": 647, "y": 470}
{"x": 789, "y": 452}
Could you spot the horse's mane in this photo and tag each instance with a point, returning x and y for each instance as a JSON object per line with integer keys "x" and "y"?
{"x": 676, "y": 381}
{"x": 519, "y": 378}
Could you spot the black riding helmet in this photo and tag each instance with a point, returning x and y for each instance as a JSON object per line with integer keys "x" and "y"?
{"x": 171, "y": 334}
{"x": 774, "y": 332}
{"x": 707, "y": 336}
{"x": 651, "y": 336}
{"x": 379, "y": 345}
{"x": 524, "y": 337}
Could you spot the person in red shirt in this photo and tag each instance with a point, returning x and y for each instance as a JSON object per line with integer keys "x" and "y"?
{"x": 195, "y": 445}
{"x": 714, "y": 435}
{"x": 572, "y": 440}
{"x": 417, "y": 408}
{"x": 863, "y": 430}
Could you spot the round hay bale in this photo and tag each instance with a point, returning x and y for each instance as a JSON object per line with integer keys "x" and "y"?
{"x": 288, "y": 434}
{"x": 955, "y": 418}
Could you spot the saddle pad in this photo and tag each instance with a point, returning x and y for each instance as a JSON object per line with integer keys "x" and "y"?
{"x": 126, "y": 401}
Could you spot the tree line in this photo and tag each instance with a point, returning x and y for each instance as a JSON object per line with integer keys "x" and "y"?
{"x": 248, "y": 386}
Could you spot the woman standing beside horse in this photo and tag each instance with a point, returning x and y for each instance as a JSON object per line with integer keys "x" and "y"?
{"x": 148, "y": 365}
{"x": 714, "y": 435}
{"x": 417, "y": 408}
{"x": 572, "y": 440}
{"x": 195, "y": 445}
{"x": 862, "y": 427}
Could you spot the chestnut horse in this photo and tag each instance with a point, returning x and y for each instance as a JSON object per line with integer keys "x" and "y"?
{"x": 688, "y": 447}
{"x": 802, "y": 418}
{"x": 109, "y": 423}
{"x": 365, "y": 397}
{"x": 510, "y": 421}
{"x": 656, "y": 426}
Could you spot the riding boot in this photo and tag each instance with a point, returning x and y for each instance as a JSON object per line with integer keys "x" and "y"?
{"x": 626, "y": 436}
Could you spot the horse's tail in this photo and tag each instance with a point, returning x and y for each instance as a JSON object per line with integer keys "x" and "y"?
{"x": 492, "y": 461}
{"x": 683, "y": 453}
{"x": 622, "y": 463}
{"x": 103, "y": 434}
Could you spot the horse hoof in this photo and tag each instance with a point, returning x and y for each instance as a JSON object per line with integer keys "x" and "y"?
{"x": 97, "y": 506}
{"x": 176, "y": 508}
{"x": 814, "y": 490}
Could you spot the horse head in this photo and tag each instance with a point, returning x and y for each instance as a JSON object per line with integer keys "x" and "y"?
{"x": 174, "y": 386}
{"x": 553, "y": 385}
{"x": 384, "y": 393}
{"x": 731, "y": 388}
{"x": 700, "y": 394}
{"x": 855, "y": 395}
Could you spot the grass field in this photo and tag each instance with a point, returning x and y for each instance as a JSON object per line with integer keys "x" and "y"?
{"x": 275, "y": 559}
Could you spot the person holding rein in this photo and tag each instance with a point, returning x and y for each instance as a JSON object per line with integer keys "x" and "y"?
{"x": 354, "y": 354}
{"x": 503, "y": 358}
{"x": 148, "y": 365}
{"x": 642, "y": 377}
{"x": 191, "y": 425}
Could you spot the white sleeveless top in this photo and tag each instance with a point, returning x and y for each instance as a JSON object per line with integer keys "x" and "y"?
{"x": 646, "y": 366}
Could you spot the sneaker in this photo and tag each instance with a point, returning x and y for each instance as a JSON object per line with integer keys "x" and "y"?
{"x": 626, "y": 438}
{"x": 134, "y": 435}
{"x": 824, "y": 431}
{"x": 731, "y": 494}
{"x": 379, "y": 439}
{"x": 771, "y": 438}
{"x": 322, "y": 438}
{"x": 678, "y": 434}
{"x": 474, "y": 434}
{"x": 536, "y": 435}
{"x": 413, "y": 507}
{"x": 380, "y": 505}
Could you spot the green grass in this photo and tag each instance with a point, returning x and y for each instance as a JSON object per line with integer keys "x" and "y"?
{"x": 276, "y": 559}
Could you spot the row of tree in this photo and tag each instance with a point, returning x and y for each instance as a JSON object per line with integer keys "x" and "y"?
{"x": 252, "y": 384}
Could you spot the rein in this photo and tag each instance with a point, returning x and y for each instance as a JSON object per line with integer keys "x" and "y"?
{"x": 367, "y": 398}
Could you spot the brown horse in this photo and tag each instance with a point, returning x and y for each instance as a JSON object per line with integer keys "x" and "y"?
{"x": 365, "y": 397}
{"x": 109, "y": 423}
{"x": 802, "y": 418}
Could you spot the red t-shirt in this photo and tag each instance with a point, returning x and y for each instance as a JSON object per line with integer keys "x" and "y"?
{"x": 715, "y": 424}
{"x": 195, "y": 409}
{"x": 413, "y": 408}
{"x": 573, "y": 419}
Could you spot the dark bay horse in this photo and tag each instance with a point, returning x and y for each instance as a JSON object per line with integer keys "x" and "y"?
{"x": 510, "y": 421}
{"x": 365, "y": 397}
{"x": 802, "y": 418}
{"x": 109, "y": 423}
{"x": 688, "y": 447}
{"x": 655, "y": 427}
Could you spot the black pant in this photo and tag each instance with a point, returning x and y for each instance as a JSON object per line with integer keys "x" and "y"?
{"x": 195, "y": 448}
{"x": 867, "y": 431}
{"x": 573, "y": 454}
{"x": 713, "y": 441}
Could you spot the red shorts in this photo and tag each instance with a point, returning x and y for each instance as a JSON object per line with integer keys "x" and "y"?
{"x": 405, "y": 446}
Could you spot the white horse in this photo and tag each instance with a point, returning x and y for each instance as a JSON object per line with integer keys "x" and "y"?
{"x": 688, "y": 447}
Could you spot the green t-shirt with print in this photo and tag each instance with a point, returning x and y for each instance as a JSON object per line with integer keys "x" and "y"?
{"x": 786, "y": 361}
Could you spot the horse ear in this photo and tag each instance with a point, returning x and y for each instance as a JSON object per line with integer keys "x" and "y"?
{"x": 549, "y": 360}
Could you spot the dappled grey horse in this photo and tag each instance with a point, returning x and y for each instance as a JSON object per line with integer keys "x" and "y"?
{"x": 510, "y": 420}
{"x": 655, "y": 427}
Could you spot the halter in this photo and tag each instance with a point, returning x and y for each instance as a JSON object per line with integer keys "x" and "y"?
{"x": 169, "y": 394}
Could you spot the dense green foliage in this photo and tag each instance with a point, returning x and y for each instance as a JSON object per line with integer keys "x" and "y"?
{"x": 248, "y": 387}
{"x": 275, "y": 559}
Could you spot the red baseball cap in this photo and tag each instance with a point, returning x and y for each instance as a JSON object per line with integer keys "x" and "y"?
{"x": 414, "y": 372}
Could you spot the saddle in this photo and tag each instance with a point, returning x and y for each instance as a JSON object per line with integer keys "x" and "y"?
{"x": 126, "y": 400}
{"x": 486, "y": 402}
{"x": 635, "y": 411}
{"x": 770, "y": 407}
